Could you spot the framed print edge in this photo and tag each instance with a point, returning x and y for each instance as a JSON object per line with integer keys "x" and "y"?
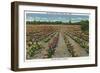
{"x": 15, "y": 34}
{"x": 56, "y": 67}
{"x": 96, "y": 36}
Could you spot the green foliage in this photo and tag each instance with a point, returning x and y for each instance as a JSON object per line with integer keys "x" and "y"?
{"x": 50, "y": 52}
{"x": 46, "y": 40}
{"x": 33, "y": 49}
{"x": 70, "y": 22}
{"x": 84, "y": 25}
{"x": 45, "y": 22}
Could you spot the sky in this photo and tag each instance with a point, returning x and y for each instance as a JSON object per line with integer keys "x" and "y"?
{"x": 58, "y": 16}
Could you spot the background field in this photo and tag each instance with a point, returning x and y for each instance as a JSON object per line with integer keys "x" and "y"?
{"x": 56, "y": 41}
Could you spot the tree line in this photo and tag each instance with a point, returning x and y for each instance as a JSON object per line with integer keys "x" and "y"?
{"x": 84, "y": 23}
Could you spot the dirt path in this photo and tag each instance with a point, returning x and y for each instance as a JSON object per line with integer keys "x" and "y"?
{"x": 61, "y": 50}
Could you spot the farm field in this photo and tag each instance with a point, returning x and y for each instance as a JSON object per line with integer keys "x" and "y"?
{"x": 56, "y": 41}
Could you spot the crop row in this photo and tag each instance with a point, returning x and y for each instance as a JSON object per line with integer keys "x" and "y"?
{"x": 34, "y": 47}
{"x": 70, "y": 47}
{"x": 84, "y": 44}
{"x": 80, "y": 34}
{"x": 52, "y": 45}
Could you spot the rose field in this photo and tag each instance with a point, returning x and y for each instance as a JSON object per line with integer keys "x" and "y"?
{"x": 56, "y": 41}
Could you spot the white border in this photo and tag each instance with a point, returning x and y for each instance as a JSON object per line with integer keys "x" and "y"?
{"x": 49, "y": 62}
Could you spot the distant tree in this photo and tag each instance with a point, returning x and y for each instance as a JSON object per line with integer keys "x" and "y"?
{"x": 69, "y": 21}
{"x": 84, "y": 25}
